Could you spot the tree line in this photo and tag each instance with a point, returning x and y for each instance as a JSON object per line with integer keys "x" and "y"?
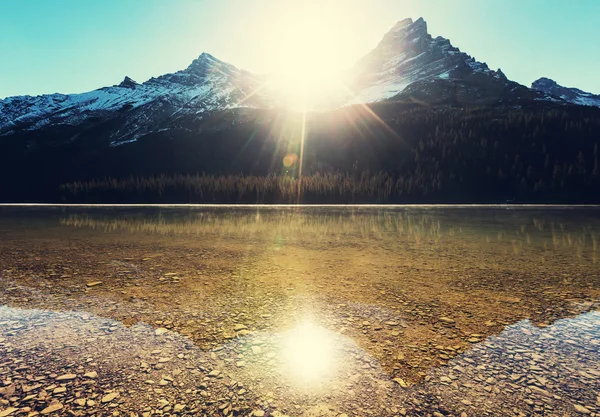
{"x": 390, "y": 152}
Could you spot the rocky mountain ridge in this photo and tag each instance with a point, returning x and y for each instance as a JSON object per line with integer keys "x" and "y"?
{"x": 408, "y": 64}
{"x": 208, "y": 84}
{"x": 571, "y": 95}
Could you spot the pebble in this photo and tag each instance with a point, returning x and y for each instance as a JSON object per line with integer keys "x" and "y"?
{"x": 109, "y": 397}
{"x": 518, "y": 373}
{"x": 66, "y": 377}
{"x": 581, "y": 409}
{"x": 401, "y": 382}
{"x": 52, "y": 408}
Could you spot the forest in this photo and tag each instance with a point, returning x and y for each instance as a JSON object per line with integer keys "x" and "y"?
{"x": 385, "y": 153}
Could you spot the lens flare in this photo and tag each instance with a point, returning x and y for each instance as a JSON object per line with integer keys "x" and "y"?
{"x": 290, "y": 159}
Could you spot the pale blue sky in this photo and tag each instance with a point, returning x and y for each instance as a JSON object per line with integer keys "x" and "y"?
{"x": 70, "y": 46}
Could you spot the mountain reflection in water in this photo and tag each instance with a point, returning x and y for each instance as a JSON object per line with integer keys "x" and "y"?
{"x": 539, "y": 370}
{"x": 518, "y": 228}
{"x": 302, "y": 310}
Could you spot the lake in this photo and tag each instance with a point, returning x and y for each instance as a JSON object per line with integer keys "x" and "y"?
{"x": 300, "y": 310}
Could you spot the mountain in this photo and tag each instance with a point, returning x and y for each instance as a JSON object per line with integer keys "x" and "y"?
{"x": 206, "y": 85}
{"x": 433, "y": 124}
{"x": 571, "y": 95}
{"x": 409, "y": 64}
{"x": 392, "y": 152}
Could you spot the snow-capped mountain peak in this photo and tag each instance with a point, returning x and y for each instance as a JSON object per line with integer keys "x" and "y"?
{"x": 128, "y": 83}
{"x": 402, "y": 24}
{"x": 207, "y": 84}
{"x": 407, "y": 27}
{"x": 545, "y": 83}
{"x": 407, "y": 64}
{"x": 408, "y": 54}
{"x": 206, "y": 64}
{"x": 571, "y": 95}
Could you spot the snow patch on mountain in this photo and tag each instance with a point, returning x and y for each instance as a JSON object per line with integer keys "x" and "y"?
{"x": 568, "y": 94}
{"x": 409, "y": 54}
{"x": 206, "y": 85}
{"x": 408, "y": 63}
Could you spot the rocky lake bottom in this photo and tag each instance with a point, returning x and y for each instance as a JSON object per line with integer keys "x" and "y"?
{"x": 299, "y": 311}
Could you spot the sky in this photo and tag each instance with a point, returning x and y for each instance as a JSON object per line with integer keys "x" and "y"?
{"x": 69, "y": 46}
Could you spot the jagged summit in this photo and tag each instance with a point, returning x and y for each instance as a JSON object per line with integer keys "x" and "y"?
{"x": 128, "y": 83}
{"x": 571, "y": 95}
{"x": 408, "y": 23}
{"x": 408, "y": 54}
{"x": 403, "y": 33}
{"x": 407, "y": 64}
{"x": 544, "y": 82}
{"x": 205, "y": 61}
{"x": 208, "y": 84}
{"x": 205, "y": 56}
{"x": 401, "y": 24}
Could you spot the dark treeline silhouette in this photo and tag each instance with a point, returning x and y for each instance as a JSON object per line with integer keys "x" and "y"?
{"x": 389, "y": 152}
{"x": 317, "y": 188}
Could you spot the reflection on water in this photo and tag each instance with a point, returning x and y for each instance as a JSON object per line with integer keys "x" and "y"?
{"x": 308, "y": 353}
{"x": 531, "y": 370}
{"x": 551, "y": 230}
{"x": 378, "y": 311}
{"x": 545, "y": 371}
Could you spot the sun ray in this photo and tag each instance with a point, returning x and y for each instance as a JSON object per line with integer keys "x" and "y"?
{"x": 252, "y": 94}
{"x": 301, "y": 162}
{"x": 372, "y": 113}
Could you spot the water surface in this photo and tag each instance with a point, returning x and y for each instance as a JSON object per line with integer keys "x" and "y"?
{"x": 300, "y": 310}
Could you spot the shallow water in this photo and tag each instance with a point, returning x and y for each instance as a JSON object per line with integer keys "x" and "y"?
{"x": 300, "y": 310}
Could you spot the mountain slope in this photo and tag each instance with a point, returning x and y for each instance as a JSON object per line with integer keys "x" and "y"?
{"x": 409, "y": 60}
{"x": 571, "y": 95}
{"x": 206, "y": 85}
{"x": 408, "y": 65}
{"x": 536, "y": 153}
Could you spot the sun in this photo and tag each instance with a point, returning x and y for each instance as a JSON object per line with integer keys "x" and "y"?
{"x": 306, "y": 55}
{"x": 309, "y": 353}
